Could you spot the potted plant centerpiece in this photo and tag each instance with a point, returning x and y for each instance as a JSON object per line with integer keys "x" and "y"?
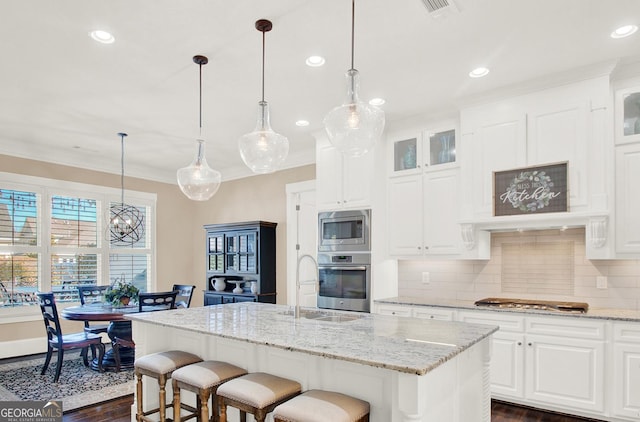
{"x": 121, "y": 293}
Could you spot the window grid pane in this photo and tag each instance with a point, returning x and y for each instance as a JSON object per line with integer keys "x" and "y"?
{"x": 18, "y": 215}
{"x": 70, "y": 270}
{"x": 73, "y": 222}
{"x": 18, "y": 279}
{"x": 129, "y": 268}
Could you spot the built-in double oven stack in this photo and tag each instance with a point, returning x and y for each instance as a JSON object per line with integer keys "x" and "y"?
{"x": 344, "y": 260}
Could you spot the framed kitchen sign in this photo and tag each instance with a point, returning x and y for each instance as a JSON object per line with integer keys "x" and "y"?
{"x": 531, "y": 190}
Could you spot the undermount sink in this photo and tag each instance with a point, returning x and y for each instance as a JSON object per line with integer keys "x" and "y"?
{"x": 325, "y": 315}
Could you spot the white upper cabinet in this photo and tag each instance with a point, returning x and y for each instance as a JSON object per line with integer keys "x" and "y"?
{"x": 342, "y": 182}
{"x": 627, "y": 120}
{"x": 430, "y": 150}
{"x": 627, "y": 199}
{"x": 566, "y": 123}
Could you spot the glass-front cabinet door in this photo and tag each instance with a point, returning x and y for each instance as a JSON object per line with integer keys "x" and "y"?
{"x": 241, "y": 252}
{"x": 429, "y": 150}
{"x": 215, "y": 253}
{"x": 442, "y": 147}
{"x": 628, "y": 115}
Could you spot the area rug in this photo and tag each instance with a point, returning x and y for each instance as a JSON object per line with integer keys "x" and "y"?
{"x": 77, "y": 387}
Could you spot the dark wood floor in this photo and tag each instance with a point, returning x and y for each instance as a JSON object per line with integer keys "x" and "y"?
{"x": 118, "y": 411}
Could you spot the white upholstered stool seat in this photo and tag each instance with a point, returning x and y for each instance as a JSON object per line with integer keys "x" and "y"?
{"x": 202, "y": 378}
{"x": 159, "y": 366}
{"x": 256, "y": 393}
{"x": 321, "y": 406}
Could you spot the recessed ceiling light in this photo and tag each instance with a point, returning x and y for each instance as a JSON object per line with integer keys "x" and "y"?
{"x": 479, "y": 72}
{"x": 315, "y": 61}
{"x": 103, "y": 37}
{"x": 377, "y": 101}
{"x": 302, "y": 123}
{"x": 624, "y": 31}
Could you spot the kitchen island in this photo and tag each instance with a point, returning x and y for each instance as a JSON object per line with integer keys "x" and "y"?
{"x": 407, "y": 369}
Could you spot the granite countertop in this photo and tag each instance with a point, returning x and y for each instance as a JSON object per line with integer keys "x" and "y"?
{"x": 598, "y": 313}
{"x": 407, "y": 345}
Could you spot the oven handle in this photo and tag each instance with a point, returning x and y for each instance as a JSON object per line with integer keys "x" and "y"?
{"x": 345, "y": 268}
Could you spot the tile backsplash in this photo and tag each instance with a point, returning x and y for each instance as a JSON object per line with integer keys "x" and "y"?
{"x": 542, "y": 264}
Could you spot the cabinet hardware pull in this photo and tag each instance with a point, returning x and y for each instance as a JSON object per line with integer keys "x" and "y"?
{"x": 519, "y": 343}
{"x": 530, "y": 344}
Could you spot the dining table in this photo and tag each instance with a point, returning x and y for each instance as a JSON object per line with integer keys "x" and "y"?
{"x": 119, "y": 327}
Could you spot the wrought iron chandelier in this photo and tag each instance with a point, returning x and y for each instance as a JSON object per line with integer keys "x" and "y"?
{"x": 127, "y": 222}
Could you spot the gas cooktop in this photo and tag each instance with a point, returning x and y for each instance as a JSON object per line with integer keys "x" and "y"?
{"x": 547, "y": 305}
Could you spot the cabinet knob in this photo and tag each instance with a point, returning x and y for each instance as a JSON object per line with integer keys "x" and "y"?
{"x": 393, "y": 312}
{"x": 519, "y": 343}
{"x": 419, "y": 248}
{"x": 431, "y": 316}
{"x": 529, "y": 344}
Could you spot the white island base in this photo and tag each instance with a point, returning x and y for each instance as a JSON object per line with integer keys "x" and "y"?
{"x": 454, "y": 389}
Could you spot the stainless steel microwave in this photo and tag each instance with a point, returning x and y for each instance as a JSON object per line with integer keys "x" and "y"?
{"x": 340, "y": 231}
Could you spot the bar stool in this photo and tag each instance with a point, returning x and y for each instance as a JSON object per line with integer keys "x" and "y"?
{"x": 319, "y": 406}
{"x": 159, "y": 366}
{"x": 256, "y": 393}
{"x": 202, "y": 378}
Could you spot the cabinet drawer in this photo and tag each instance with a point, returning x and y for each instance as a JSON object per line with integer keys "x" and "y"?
{"x": 396, "y": 310}
{"x": 566, "y": 327}
{"x": 626, "y": 332}
{"x": 505, "y": 322}
{"x": 433, "y": 313}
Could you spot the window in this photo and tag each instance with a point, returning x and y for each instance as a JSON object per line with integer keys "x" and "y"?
{"x": 55, "y": 236}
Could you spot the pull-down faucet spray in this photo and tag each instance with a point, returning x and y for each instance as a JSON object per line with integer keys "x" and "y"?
{"x": 317, "y": 283}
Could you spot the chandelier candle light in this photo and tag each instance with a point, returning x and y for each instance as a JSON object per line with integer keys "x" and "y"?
{"x": 263, "y": 150}
{"x": 127, "y": 222}
{"x": 355, "y": 126}
{"x": 198, "y": 181}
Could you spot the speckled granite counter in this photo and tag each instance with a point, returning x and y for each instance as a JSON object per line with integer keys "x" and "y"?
{"x": 400, "y": 344}
{"x": 598, "y": 313}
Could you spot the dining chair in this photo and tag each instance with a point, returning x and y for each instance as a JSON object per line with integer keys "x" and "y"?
{"x": 159, "y": 301}
{"x": 93, "y": 294}
{"x": 185, "y": 292}
{"x": 147, "y": 302}
{"x": 62, "y": 342}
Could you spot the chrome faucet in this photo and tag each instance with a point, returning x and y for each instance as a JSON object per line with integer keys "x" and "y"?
{"x": 315, "y": 264}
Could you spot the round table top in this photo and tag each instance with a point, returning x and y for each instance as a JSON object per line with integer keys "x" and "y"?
{"x": 98, "y": 312}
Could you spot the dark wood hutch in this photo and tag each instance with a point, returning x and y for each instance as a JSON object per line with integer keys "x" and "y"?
{"x": 242, "y": 253}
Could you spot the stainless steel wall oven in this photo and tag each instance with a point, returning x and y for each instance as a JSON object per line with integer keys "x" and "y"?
{"x": 345, "y": 281}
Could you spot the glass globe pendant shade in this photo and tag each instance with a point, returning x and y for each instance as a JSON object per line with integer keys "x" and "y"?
{"x": 198, "y": 181}
{"x": 263, "y": 150}
{"x": 355, "y": 126}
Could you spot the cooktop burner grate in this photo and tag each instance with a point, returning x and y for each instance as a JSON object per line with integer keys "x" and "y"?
{"x": 547, "y": 305}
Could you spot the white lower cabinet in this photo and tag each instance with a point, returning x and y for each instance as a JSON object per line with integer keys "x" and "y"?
{"x": 626, "y": 371}
{"x": 556, "y": 363}
{"x": 580, "y": 366}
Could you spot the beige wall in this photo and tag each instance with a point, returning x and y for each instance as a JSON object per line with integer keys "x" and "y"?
{"x": 180, "y": 237}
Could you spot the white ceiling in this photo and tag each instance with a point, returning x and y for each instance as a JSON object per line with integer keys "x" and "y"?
{"x": 64, "y": 97}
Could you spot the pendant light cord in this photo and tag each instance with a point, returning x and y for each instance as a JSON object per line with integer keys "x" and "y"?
{"x": 200, "y": 122}
{"x": 122, "y": 135}
{"x": 353, "y": 25}
{"x": 263, "y": 55}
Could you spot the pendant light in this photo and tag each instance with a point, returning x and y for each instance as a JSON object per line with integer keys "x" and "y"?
{"x": 126, "y": 224}
{"x": 198, "y": 181}
{"x": 263, "y": 150}
{"x": 355, "y": 126}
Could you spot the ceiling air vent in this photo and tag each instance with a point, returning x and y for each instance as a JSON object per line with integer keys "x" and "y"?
{"x": 440, "y": 8}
